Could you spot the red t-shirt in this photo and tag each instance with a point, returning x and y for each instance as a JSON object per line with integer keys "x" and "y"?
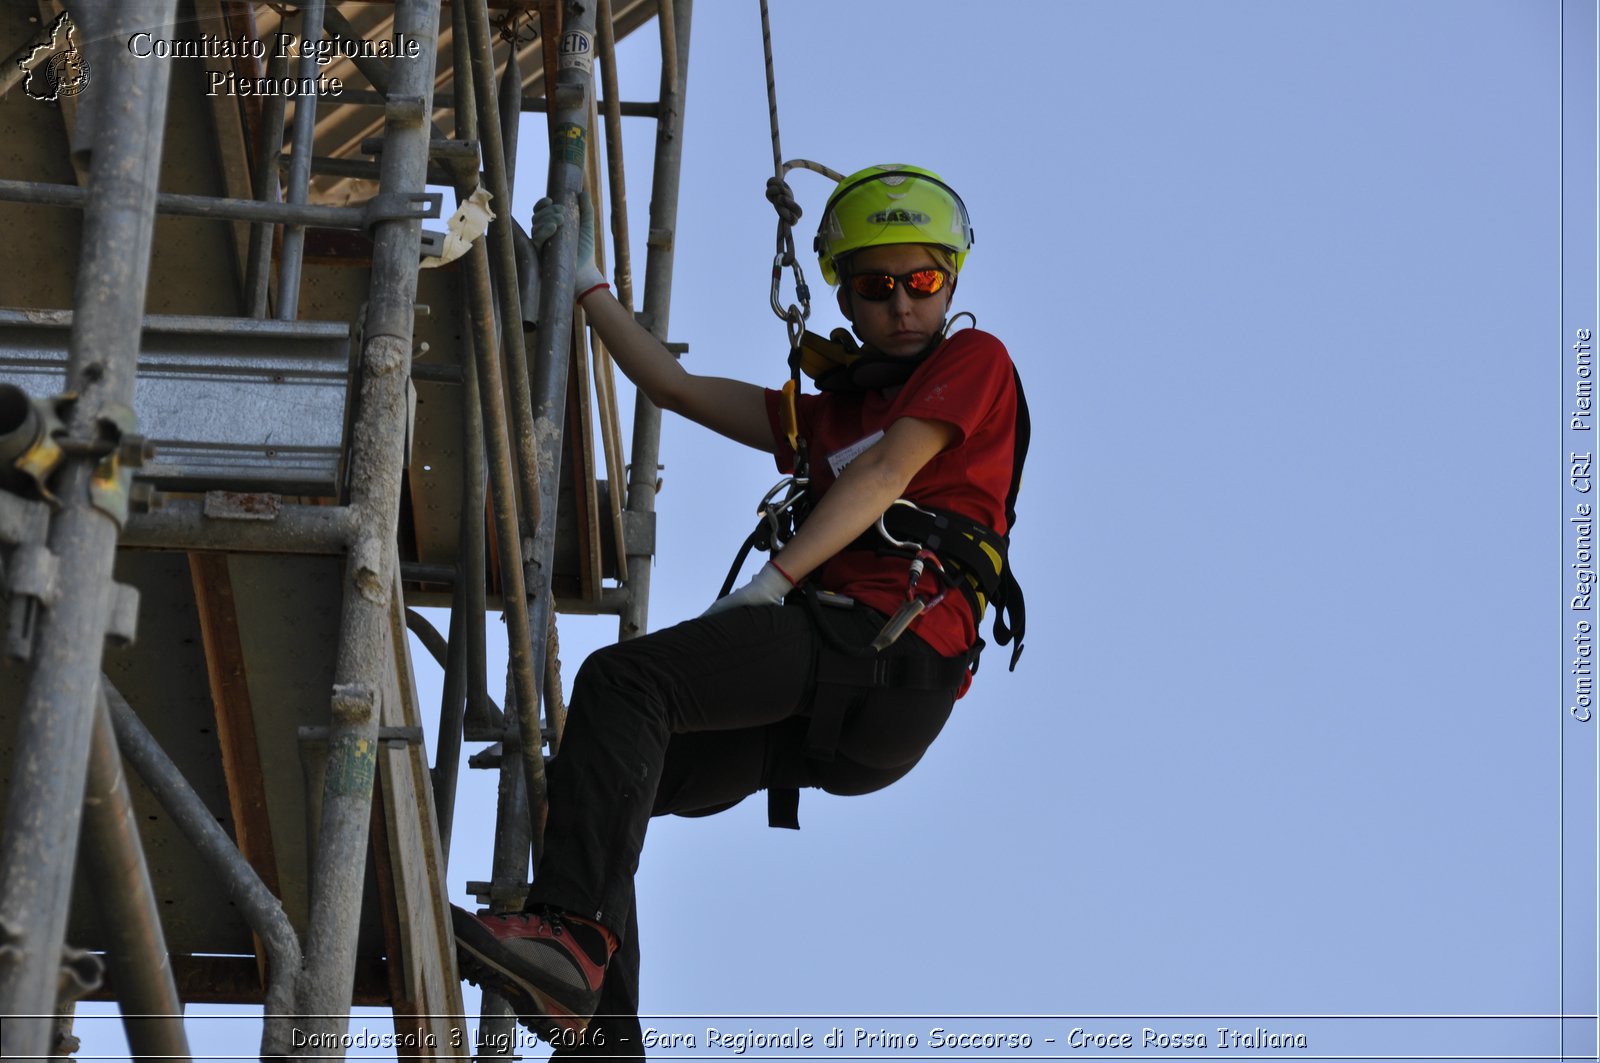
{"x": 967, "y": 382}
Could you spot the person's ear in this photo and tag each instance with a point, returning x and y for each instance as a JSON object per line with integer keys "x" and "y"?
{"x": 843, "y": 295}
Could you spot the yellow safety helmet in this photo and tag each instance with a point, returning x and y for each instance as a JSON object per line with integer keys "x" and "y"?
{"x": 891, "y": 204}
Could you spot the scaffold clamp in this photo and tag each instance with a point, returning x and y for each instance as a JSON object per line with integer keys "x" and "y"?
{"x": 401, "y": 206}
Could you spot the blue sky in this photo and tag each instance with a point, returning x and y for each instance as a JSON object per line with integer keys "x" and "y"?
{"x": 1284, "y": 284}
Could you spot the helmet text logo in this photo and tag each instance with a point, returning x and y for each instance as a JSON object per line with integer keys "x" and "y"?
{"x": 899, "y": 216}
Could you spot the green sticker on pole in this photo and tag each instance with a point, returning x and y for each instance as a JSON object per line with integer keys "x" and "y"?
{"x": 351, "y": 761}
{"x": 567, "y": 143}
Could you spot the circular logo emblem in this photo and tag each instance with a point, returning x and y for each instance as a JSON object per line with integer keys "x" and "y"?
{"x": 69, "y": 72}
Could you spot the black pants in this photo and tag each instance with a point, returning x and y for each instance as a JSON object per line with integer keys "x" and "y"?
{"x": 691, "y": 720}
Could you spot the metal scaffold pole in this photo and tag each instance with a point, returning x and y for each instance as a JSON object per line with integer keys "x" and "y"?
{"x": 323, "y": 991}
{"x": 675, "y": 21}
{"x": 136, "y": 948}
{"x": 539, "y": 397}
{"x": 51, "y": 753}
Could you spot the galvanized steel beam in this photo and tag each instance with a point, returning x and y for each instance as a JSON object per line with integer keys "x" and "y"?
{"x": 195, "y": 375}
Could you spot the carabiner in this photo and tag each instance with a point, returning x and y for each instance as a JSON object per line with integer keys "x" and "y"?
{"x": 884, "y": 531}
{"x": 770, "y": 513}
{"x": 785, "y": 257}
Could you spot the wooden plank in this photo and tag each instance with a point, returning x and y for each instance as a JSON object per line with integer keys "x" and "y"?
{"x": 427, "y": 989}
{"x": 410, "y": 1030}
{"x": 236, "y": 731}
{"x": 579, "y": 442}
{"x": 604, "y": 382}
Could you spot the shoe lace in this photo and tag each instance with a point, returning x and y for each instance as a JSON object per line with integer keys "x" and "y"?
{"x": 545, "y": 917}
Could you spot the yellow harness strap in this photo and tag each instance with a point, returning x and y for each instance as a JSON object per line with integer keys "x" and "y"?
{"x": 789, "y": 415}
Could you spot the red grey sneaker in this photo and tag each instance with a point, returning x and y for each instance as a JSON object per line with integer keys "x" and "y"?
{"x": 547, "y": 965}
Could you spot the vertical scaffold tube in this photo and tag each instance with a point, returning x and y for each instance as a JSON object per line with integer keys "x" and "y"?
{"x": 573, "y": 87}
{"x": 305, "y": 124}
{"x": 657, "y": 292}
{"x": 569, "y": 149}
{"x": 136, "y": 948}
{"x": 269, "y": 148}
{"x": 51, "y": 750}
{"x": 377, "y": 454}
{"x": 502, "y": 253}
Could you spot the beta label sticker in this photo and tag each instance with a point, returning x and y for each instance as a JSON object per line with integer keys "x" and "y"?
{"x": 577, "y": 52}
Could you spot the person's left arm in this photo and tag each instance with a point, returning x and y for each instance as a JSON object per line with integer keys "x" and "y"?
{"x": 866, "y": 488}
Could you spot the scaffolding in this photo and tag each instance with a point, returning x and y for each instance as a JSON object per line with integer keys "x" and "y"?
{"x": 252, "y": 415}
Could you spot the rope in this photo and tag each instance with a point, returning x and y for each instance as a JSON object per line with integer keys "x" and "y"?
{"x": 794, "y": 316}
{"x": 772, "y": 90}
{"x": 815, "y": 167}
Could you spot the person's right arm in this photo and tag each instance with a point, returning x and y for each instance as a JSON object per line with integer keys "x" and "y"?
{"x": 732, "y": 407}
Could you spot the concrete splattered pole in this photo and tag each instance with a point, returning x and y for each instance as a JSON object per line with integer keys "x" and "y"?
{"x": 51, "y": 757}
{"x": 375, "y": 469}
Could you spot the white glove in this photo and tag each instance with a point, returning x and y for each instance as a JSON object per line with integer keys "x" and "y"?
{"x": 766, "y": 587}
{"x": 547, "y": 218}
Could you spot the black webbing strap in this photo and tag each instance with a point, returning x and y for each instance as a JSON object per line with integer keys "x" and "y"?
{"x": 749, "y": 544}
{"x": 961, "y": 545}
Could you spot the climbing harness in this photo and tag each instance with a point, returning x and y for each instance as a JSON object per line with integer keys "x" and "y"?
{"x": 965, "y": 555}
{"x": 968, "y": 557}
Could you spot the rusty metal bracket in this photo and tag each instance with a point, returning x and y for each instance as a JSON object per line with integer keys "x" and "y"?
{"x": 242, "y": 505}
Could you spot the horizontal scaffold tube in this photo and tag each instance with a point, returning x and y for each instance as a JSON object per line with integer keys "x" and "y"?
{"x": 293, "y": 529}
{"x": 174, "y": 203}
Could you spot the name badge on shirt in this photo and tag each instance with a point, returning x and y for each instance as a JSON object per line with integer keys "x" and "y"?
{"x": 840, "y": 458}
